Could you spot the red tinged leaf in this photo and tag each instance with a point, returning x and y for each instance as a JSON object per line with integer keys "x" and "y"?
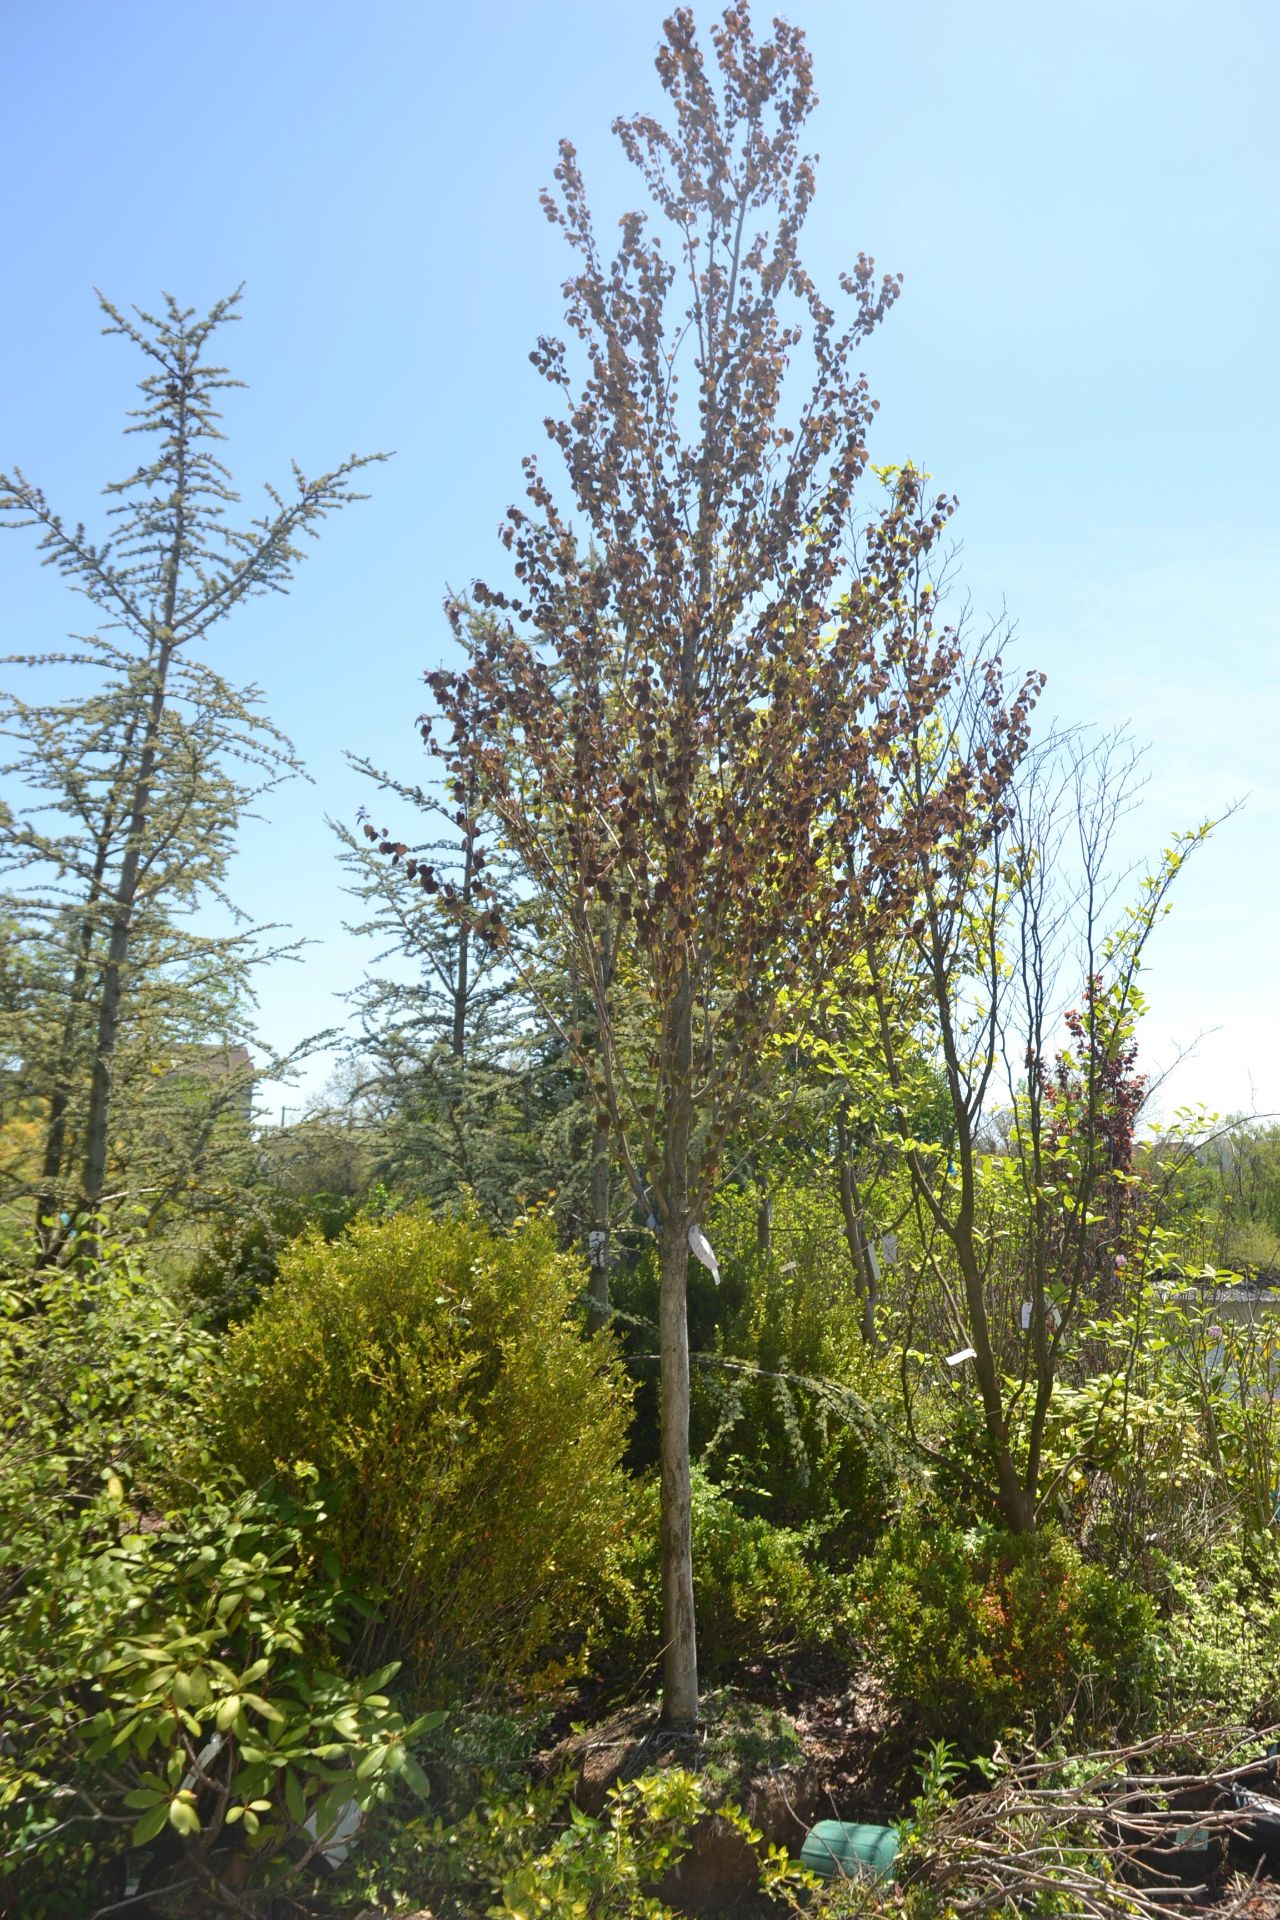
{"x": 688, "y": 712}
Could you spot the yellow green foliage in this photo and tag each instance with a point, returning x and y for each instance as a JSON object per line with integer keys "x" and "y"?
{"x": 466, "y": 1434}
{"x": 148, "y": 1617}
{"x": 535, "y": 1855}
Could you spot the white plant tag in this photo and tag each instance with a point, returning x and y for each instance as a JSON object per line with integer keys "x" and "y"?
{"x": 700, "y": 1248}
{"x": 965, "y": 1353}
{"x": 341, "y": 1835}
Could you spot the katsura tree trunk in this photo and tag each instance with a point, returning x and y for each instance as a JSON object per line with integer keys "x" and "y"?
{"x": 680, "y": 1651}
{"x": 599, "y": 1306}
{"x": 598, "y": 1302}
{"x": 681, "y": 713}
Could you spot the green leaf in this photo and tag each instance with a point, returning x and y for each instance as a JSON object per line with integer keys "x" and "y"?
{"x": 145, "y": 1797}
{"x": 265, "y": 1708}
{"x": 227, "y": 1711}
{"x": 149, "y": 1826}
{"x": 377, "y": 1681}
{"x": 294, "y": 1798}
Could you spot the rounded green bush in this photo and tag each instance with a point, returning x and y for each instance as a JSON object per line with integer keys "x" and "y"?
{"x": 977, "y": 1633}
{"x": 466, "y": 1436}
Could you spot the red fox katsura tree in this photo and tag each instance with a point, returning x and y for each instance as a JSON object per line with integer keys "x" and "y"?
{"x": 683, "y": 711}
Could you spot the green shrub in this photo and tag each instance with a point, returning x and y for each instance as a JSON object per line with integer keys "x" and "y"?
{"x": 467, "y": 1437}
{"x": 170, "y": 1687}
{"x": 1219, "y": 1653}
{"x": 979, "y": 1633}
{"x": 241, "y": 1256}
{"x": 759, "y": 1591}
{"x": 516, "y": 1857}
{"x": 799, "y": 1422}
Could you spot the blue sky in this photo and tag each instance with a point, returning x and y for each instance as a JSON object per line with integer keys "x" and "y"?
{"x": 1082, "y": 199}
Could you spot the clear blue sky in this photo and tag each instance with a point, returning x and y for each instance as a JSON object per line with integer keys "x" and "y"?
{"x": 1083, "y": 200}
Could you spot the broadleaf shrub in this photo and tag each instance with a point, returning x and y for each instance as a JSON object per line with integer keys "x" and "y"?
{"x": 174, "y": 1711}
{"x": 467, "y": 1436}
{"x": 1219, "y": 1657}
{"x": 977, "y": 1633}
{"x": 522, "y": 1856}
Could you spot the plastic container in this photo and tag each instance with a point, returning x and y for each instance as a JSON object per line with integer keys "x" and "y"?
{"x": 847, "y": 1850}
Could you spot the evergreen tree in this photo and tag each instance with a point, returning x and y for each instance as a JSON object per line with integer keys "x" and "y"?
{"x": 128, "y": 797}
{"x": 469, "y": 1087}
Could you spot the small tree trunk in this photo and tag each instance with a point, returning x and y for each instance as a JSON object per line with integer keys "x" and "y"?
{"x": 866, "y": 1273}
{"x": 680, "y": 1654}
{"x": 764, "y": 1216}
{"x": 598, "y": 1237}
{"x": 871, "y": 1296}
{"x": 598, "y": 1250}
{"x": 1017, "y": 1502}
{"x": 462, "y": 973}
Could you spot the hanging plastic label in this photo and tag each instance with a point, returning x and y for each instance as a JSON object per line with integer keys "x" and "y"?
{"x": 700, "y": 1248}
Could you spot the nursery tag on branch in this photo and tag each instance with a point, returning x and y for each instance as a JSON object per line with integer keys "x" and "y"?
{"x": 700, "y": 1248}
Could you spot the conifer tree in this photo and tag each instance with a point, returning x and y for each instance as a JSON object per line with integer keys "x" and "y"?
{"x": 127, "y": 798}
{"x": 459, "y": 1057}
{"x": 440, "y": 1049}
